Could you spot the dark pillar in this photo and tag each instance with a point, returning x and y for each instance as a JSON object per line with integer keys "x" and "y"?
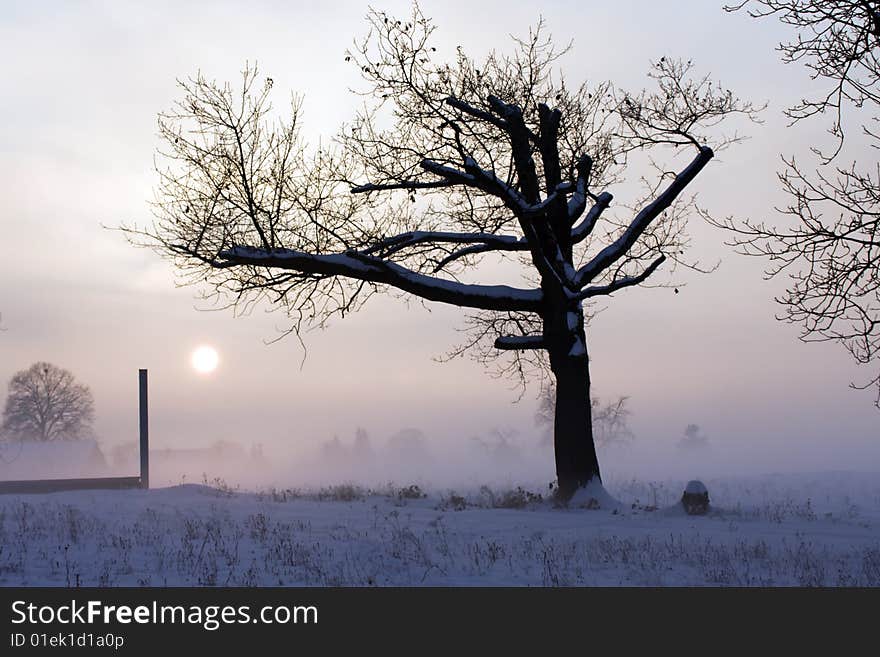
{"x": 145, "y": 430}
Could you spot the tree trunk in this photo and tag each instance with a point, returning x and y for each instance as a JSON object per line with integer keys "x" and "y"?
{"x": 576, "y": 460}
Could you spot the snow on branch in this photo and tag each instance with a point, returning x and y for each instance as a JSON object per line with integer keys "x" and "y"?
{"x": 614, "y": 251}
{"x": 620, "y": 283}
{"x": 368, "y": 268}
{"x": 462, "y": 106}
{"x": 582, "y": 231}
{"x": 406, "y": 184}
{"x": 505, "y": 114}
{"x": 578, "y": 201}
{"x": 397, "y": 243}
{"x": 520, "y": 245}
{"x": 487, "y": 181}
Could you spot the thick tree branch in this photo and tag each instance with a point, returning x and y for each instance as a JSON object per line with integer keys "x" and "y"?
{"x": 476, "y": 112}
{"x": 578, "y": 201}
{"x": 582, "y": 231}
{"x": 366, "y": 268}
{"x": 520, "y": 342}
{"x": 513, "y": 115}
{"x": 397, "y": 243}
{"x": 406, "y": 184}
{"x": 486, "y": 181}
{"x": 620, "y": 283}
{"x": 519, "y": 245}
{"x": 614, "y": 251}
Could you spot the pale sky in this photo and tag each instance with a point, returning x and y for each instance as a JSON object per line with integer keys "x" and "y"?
{"x": 82, "y": 85}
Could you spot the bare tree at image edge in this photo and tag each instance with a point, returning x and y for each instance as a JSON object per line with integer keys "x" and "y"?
{"x": 446, "y": 163}
{"x": 828, "y": 243}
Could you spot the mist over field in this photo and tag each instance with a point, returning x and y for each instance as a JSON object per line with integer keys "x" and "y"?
{"x": 712, "y": 355}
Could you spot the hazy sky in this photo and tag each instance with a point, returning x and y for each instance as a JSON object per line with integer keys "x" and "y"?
{"x": 82, "y": 84}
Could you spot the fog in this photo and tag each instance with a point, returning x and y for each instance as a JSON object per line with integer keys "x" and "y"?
{"x": 84, "y": 83}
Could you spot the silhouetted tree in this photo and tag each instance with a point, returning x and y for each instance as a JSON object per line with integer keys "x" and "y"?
{"x": 501, "y": 444}
{"x": 831, "y": 248}
{"x": 362, "y": 447}
{"x": 446, "y": 163}
{"x": 410, "y": 444}
{"x": 693, "y": 438}
{"x": 333, "y": 450}
{"x": 46, "y": 403}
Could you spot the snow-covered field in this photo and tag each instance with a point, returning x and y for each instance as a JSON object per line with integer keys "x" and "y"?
{"x": 794, "y": 529}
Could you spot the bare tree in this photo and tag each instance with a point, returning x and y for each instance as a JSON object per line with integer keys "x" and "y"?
{"x": 46, "y": 403}
{"x": 446, "y": 163}
{"x": 831, "y": 248}
{"x": 693, "y": 438}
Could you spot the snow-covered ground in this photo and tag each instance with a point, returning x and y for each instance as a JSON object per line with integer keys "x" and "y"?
{"x": 793, "y": 529}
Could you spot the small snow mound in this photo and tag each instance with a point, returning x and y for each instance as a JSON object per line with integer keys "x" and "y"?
{"x": 695, "y": 498}
{"x": 184, "y": 490}
{"x": 201, "y": 488}
{"x": 594, "y": 496}
{"x": 696, "y": 487}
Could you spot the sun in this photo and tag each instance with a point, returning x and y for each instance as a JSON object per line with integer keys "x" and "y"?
{"x": 205, "y": 359}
